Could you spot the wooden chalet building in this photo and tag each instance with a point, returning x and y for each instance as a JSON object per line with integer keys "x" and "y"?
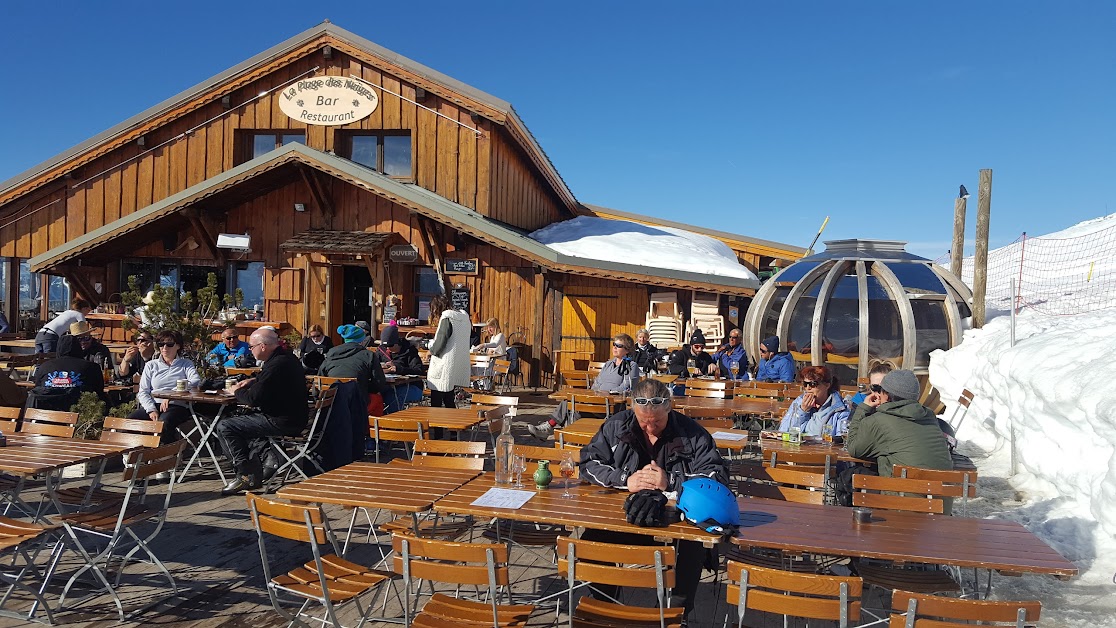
{"x": 437, "y": 186}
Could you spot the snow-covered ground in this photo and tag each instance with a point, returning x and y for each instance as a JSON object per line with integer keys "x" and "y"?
{"x": 1052, "y": 399}
{"x": 633, "y": 243}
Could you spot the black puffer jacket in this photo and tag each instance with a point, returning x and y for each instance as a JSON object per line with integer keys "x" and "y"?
{"x": 353, "y": 360}
{"x": 617, "y": 451}
{"x": 646, "y": 357}
{"x": 676, "y": 364}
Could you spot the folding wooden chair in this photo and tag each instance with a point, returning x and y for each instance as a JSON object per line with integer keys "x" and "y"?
{"x": 911, "y": 610}
{"x": 495, "y": 419}
{"x": 476, "y": 564}
{"x": 575, "y": 379}
{"x": 585, "y": 563}
{"x": 594, "y": 369}
{"x": 117, "y": 524}
{"x": 810, "y": 596}
{"x": 327, "y": 579}
{"x": 10, "y": 485}
{"x": 814, "y": 462}
{"x": 386, "y": 429}
{"x": 571, "y": 440}
{"x": 49, "y": 422}
{"x": 15, "y": 537}
{"x": 961, "y": 410}
{"x": 501, "y": 377}
{"x": 128, "y": 432}
{"x": 589, "y": 404}
{"x": 957, "y": 484}
{"x": 302, "y": 444}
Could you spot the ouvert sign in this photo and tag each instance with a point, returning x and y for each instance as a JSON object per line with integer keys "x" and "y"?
{"x": 328, "y": 100}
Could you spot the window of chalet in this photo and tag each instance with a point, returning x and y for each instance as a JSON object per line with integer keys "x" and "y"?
{"x": 58, "y": 294}
{"x": 30, "y": 291}
{"x": 426, "y": 288}
{"x": 249, "y": 277}
{"x": 385, "y": 152}
{"x": 179, "y": 277}
{"x": 256, "y": 143}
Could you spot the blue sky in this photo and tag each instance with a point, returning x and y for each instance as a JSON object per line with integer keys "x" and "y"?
{"x": 756, "y": 118}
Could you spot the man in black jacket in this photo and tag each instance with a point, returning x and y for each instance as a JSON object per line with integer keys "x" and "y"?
{"x": 678, "y": 362}
{"x": 652, "y": 447}
{"x": 60, "y": 381}
{"x": 278, "y": 394}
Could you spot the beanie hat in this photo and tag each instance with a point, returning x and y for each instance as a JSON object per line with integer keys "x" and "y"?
{"x": 697, "y": 338}
{"x": 771, "y": 344}
{"x": 68, "y": 346}
{"x": 901, "y": 384}
{"x": 350, "y": 333}
{"x": 364, "y": 325}
{"x": 389, "y": 336}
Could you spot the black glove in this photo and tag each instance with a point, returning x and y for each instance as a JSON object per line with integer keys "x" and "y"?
{"x": 646, "y": 508}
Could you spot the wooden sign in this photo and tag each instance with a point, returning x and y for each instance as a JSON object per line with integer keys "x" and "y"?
{"x": 328, "y": 100}
{"x": 390, "y": 313}
{"x": 403, "y": 254}
{"x": 459, "y": 298}
{"x": 462, "y": 266}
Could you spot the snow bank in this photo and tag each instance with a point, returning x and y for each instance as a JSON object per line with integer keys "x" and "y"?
{"x": 632, "y": 243}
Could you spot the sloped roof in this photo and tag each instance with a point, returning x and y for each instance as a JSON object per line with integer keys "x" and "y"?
{"x": 408, "y": 195}
{"x": 512, "y": 120}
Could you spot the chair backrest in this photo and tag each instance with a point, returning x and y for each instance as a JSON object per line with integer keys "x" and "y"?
{"x": 131, "y": 432}
{"x": 494, "y": 400}
{"x": 294, "y": 522}
{"x": 809, "y": 461}
{"x": 571, "y": 440}
{"x": 477, "y": 564}
{"x": 445, "y": 454}
{"x": 590, "y": 404}
{"x": 479, "y": 360}
{"x": 760, "y": 393}
{"x": 395, "y": 430}
{"x": 501, "y": 367}
{"x": 712, "y": 424}
{"x": 646, "y": 567}
{"x": 230, "y": 371}
{"x": 707, "y": 384}
{"x": 575, "y": 379}
{"x": 912, "y": 610}
{"x": 140, "y": 466}
{"x": 777, "y": 386}
{"x": 49, "y": 422}
{"x": 709, "y": 414}
{"x": 705, "y": 392}
{"x": 9, "y": 419}
{"x": 784, "y": 483}
{"x": 961, "y": 409}
{"x": 534, "y": 453}
{"x": 324, "y": 382}
{"x": 912, "y": 495}
{"x": 956, "y": 483}
{"x": 832, "y": 598}
{"x": 594, "y": 369}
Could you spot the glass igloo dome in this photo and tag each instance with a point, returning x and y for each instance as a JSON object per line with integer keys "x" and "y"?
{"x": 859, "y": 302}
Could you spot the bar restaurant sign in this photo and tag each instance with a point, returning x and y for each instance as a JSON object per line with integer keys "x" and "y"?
{"x": 328, "y": 100}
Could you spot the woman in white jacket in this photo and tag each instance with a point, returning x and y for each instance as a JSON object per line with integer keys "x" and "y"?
{"x": 449, "y": 353}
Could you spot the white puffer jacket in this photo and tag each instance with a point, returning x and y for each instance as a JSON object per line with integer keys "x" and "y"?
{"x": 452, "y": 368}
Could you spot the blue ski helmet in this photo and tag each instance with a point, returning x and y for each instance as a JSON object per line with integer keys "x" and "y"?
{"x": 709, "y": 505}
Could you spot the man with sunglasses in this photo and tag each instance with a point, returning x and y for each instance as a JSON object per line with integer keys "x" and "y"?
{"x": 774, "y": 365}
{"x": 653, "y": 447}
{"x": 678, "y": 363}
{"x": 229, "y": 349}
{"x": 732, "y": 351}
{"x": 137, "y": 356}
{"x": 92, "y": 350}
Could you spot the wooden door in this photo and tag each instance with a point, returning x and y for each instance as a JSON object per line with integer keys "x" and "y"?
{"x": 591, "y": 316}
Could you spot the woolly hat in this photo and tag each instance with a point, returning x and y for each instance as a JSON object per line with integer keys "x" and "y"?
{"x": 364, "y": 325}
{"x": 901, "y": 384}
{"x": 389, "y": 336}
{"x": 68, "y": 345}
{"x": 351, "y": 333}
{"x": 697, "y": 338}
{"x": 771, "y": 344}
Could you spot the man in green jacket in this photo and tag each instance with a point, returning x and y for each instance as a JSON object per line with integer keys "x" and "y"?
{"x": 894, "y": 428}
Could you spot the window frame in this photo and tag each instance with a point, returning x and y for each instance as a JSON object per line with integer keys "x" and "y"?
{"x": 344, "y": 144}
{"x": 246, "y": 144}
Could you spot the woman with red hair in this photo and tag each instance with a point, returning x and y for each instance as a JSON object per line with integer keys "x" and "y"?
{"x": 819, "y": 404}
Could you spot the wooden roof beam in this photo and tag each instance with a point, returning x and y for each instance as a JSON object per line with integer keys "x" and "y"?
{"x": 203, "y": 235}
{"x": 321, "y": 199}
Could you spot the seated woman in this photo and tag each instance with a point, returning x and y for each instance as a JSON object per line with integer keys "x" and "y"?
{"x": 161, "y": 374}
{"x": 497, "y": 345}
{"x": 137, "y": 356}
{"x": 618, "y": 375}
{"x": 313, "y": 348}
{"x": 875, "y": 378}
{"x": 819, "y": 404}
{"x": 645, "y": 354}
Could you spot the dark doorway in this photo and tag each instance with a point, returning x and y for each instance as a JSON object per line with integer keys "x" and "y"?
{"x": 357, "y": 304}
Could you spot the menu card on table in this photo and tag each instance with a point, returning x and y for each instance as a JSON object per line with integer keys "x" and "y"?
{"x": 504, "y": 498}
{"x": 728, "y": 436}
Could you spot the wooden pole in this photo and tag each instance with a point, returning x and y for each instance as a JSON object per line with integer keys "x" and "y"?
{"x": 957, "y": 252}
{"x": 980, "y": 261}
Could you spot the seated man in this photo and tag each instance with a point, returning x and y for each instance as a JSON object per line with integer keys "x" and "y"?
{"x": 678, "y": 362}
{"x": 92, "y": 349}
{"x": 228, "y": 350}
{"x": 60, "y": 381}
{"x": 732, "y": 351}
{"x": 278, "y": 394}
{"x": 774, "y": 365}
{"x": 653, "y": 447}
{"x": 617, "y": 375}
{"x": 399, "y": 357}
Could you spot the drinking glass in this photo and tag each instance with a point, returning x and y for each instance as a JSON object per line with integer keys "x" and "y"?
{"x": 734, "y": 368}
{"x": 691, "y": 367}
{"x": 519, "y": 465}
{"x": 827, "y": 433}
{"x": 568, "y": 469}
{"x": 796, "y": 434}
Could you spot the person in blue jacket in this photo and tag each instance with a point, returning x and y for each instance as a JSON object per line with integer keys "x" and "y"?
{"x": 820, "y": 404}
{"x": 732, "y": 351}
{"x": 229, "y": 349}
{"x": 775, "y": 365}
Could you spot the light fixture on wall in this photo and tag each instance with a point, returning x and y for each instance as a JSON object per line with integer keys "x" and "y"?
{"x": 236, "y": 241}
{"x": 300, "y": 207}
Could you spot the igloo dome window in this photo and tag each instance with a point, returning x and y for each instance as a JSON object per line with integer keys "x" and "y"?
{"x": 858, "y": 302}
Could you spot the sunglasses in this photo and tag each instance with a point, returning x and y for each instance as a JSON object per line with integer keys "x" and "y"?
{"x": 809, "y": 384}
{"x": 619, "y": 345}
{"x": 734, "y": 337}
{"x": 876, "y": 388}
{"x": 653, "y": 401}
{"x": 145, "y": 341}
{"x": 167, "y": 344}
{"x": 230, "y": 337}
{"x": 315, "y": 336}
{"x": 85, "y": 338}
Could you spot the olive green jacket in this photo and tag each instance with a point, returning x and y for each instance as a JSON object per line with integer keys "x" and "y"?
{"x": 898, "y": 432}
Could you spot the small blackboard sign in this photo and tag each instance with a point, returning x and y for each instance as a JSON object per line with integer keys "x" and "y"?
{"x": 390, "y": 313}
{"x": 461, "y": 266}
{"x": 459, "y": 298}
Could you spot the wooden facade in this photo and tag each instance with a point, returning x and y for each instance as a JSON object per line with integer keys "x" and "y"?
{"x": 96, "y": 202}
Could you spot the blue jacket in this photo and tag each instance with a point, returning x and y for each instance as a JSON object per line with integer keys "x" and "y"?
{"x": 833, "y": 412}
{"x": 779, "y": 368}
{"x": 221, "y": 354}
{"x": 725, "y": 356}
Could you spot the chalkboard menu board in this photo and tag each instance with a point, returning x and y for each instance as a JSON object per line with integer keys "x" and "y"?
{"x": 461, "y": 266}
{"x": 459, "y": 298}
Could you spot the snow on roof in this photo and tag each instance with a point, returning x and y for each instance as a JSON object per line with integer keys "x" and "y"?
{"x": 632, "y": 243}
{"x": 1049, "y": 397}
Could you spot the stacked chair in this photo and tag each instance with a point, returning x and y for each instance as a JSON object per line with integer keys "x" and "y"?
{"x": 664, "y": 320}
{"x": 705, "y": 315}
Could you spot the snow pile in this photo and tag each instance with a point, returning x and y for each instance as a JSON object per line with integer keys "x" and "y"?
{"x": 642, "y": 245}
{"x": 1052, "y": 399}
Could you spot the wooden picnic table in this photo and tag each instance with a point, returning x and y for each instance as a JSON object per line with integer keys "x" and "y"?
{"x": 448, "y": 418}
{"x": 738, "y": 405}
{"x": 396, "y": 487}
{"x": 591, "y": 506}
{"x": 1005, "y": 546}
